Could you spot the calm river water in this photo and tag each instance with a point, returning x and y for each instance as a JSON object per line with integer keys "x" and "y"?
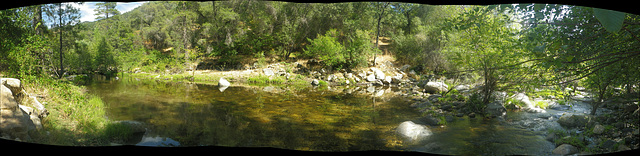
{"x": 298, "y": 118}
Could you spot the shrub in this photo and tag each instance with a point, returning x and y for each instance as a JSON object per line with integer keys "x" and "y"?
{"x": 326, "y": 48}
{"x": 358, "y": 47}
{"x": 421, "y": 49}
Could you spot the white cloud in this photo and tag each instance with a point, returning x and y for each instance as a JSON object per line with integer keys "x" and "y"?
{"x": 87, "y": 12}
{"x": 127, "y": 6}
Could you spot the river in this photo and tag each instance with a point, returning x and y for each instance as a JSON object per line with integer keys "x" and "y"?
{"x": 301, "y": 118}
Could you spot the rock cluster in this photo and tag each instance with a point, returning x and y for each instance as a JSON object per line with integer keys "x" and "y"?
{"x": 388, "y": 76}
{"x": 17, "y": 114}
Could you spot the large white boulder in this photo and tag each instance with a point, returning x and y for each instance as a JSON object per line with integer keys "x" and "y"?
{"x": 14, "y": 123}
{"x": 412, "y": 131}
{"x": 379, "y": 74}
{"x": 435, "y": 87}
{"x": 223, "y": 84}
{"x": 371, "y": 78}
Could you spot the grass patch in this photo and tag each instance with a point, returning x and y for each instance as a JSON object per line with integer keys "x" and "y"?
{"x": 541, "y": 104}
{"x": 75, "y": 118}
{"x": 261, "y": 79}
{"x": 322, "y": 83}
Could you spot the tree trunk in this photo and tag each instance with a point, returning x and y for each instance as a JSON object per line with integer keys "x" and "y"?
{"x": 377, "y": 36}
{"x": 408, "y": 27}
{"x": 37, "y": 19}
{"x": 601, "y": 92}
{"x": 184, "y": 42}
{"x": 61, "y": 71}
{"x": 378, "y": 30}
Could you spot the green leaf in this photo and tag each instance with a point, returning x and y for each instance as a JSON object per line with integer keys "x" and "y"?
{"x": 570, "y": 58}
{"x": 611, "y": 20}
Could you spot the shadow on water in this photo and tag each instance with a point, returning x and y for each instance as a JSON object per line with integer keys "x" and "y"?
{"x": 182, "y": 114}
{"x": 474, "y": 136}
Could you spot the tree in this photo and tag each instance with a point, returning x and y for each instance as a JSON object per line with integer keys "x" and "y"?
{"x": 380, "y": 7}
{"x": 591, "y": 46}
{"x": 66, "y": 16}
{"x": 184, "y": 16}
{"x": 104, "y": 9}
{"x": 326, "y": 48}
{"x": 104, "y": 59}
{"x": 483, "y": 43}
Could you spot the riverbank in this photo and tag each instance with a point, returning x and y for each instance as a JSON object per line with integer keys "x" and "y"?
{"x": 61, "y": 112}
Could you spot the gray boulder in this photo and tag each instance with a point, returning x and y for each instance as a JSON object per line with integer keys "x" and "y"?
{"x": 573, "y": 121}
{"x": 565, "y": 149}
{"x": 14, "y": 123}
{"x": 430, "y": 120}
{"x": 495, "y": 109}
{"x": 598, "y": 129}
{"x": 413, "y": 132}
{"x": 435, "y": 87}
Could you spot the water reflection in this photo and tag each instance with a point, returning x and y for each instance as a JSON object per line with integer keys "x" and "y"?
{"x": 317, "y": 119}
{"x": 320, "y": 119}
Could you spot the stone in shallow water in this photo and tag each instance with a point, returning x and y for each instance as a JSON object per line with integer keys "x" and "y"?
{"x": 565, "y": 149}
{"x": 412, "y": 131}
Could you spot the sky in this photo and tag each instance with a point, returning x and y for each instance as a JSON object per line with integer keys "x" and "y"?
{"x": 87, "y": 13}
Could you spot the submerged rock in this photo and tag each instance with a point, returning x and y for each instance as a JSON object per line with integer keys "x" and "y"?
{"x": 412, "y": 131}
{"x": 430, "y": 120}
{"x": 565, "y": 149}
{"x": 134, "y": 126}
{"x": 495, "y": 109}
